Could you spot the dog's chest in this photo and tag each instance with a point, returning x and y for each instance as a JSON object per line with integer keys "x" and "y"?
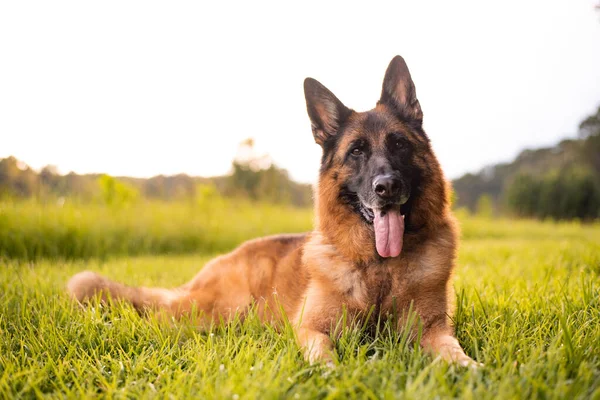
{"x": 378, "y": 288}
{"x": 374, "y": 287}
{"x": 360, "y": 286}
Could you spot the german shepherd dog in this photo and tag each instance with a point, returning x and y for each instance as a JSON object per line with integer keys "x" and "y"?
{"x": 384, "y": 238}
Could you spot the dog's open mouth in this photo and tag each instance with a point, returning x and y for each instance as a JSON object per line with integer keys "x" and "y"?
{"x": 388, "y": 224}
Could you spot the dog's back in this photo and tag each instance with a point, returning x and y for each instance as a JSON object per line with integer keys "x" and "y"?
{"x": 266, "y": 272}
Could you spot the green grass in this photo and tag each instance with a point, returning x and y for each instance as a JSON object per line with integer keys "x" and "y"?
{"x": 33, "y": 231}
{"x": 528, "y": 306}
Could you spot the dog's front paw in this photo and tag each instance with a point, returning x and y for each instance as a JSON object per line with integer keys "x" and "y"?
{"x": 468, "y": 362}
{"x": 447, "y": 348}
{"x": 319, "y": 355}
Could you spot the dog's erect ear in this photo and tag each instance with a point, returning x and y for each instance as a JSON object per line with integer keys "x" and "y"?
{"x": 326, "y": 112}
{"x": 399, "y": 91}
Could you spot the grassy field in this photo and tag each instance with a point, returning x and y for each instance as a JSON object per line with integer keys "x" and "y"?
{"x": 31, "y": 231}
{"x": 528, "y": 306}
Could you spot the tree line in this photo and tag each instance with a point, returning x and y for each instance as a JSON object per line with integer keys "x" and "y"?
{"x": 560, "y": 182}
{"x": 249, "y": 179}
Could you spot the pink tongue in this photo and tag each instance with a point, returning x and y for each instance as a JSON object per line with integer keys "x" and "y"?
{"x": 389, "y": 230}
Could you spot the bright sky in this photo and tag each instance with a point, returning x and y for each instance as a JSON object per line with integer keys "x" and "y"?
{"x": 142, "y": 88}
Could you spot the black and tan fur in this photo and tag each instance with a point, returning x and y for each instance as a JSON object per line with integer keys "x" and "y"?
{"x": 313, "y": 277}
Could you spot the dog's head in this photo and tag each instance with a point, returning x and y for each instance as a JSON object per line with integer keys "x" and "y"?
{"x": 380, "y": 160}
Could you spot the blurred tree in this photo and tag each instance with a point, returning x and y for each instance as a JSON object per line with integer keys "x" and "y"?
{"x": 17, "y": 179}
{"x": 116, "y": 193}
{"x": 523, "y": 194}
{"x": 525, "y": 186}
{"x": 254, "y": 176}
{"x": 257, "y": 177}
{"x": 49, "y": 181}
{"x": 589, "y": 130}
{"x": 566, "y": 194}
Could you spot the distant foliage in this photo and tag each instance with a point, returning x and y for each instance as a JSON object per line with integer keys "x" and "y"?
{"x": 561, "y": 182}
{"x": 524, "y": 194}
{"x": 115, "y": 192}
{"x": 271, "y": 184}
{"x": 17, "y": 180}
{"x": 569, "y": 194}
{"x": 257, "y": 178}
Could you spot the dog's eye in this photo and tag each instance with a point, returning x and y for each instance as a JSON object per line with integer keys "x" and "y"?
{"x": 399, "y": 144}
{"x": 356, "y": 152}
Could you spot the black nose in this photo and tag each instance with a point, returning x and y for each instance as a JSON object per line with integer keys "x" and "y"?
{"x": 385, "y": 186}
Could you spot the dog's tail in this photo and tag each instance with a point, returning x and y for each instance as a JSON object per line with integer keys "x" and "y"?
{"x": 87, "y": 285}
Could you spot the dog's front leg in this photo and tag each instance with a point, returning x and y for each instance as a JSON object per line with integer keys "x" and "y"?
{"x": 440, "y": 342}
{"x": 317, "y": 346}
{"x": 313, "y": 323}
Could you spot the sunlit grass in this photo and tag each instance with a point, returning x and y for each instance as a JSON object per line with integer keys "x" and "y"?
{"x": 528, "y": 306}
{"x": 31, "y": 231}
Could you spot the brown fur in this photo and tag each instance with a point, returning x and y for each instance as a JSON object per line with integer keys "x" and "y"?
{"x": 313, "y": 278}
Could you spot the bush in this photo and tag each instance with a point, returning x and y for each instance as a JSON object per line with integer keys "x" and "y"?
{"x": 570, "y": 194}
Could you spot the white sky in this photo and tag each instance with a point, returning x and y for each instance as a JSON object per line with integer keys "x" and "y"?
{"x": 142, "y": 88}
